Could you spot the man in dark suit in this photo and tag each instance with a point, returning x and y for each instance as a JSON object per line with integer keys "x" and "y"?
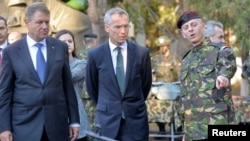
{"x": 119, "y": 97}
{"x": 37, "y": 99}
{"x": 3, "y": 36}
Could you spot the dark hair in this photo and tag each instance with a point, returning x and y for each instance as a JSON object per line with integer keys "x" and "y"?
{"x": 5, "y": 21}
{"x": 64, "y": 31}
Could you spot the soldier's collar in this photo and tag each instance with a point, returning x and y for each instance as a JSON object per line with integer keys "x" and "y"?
{"x": 197, "y": 47}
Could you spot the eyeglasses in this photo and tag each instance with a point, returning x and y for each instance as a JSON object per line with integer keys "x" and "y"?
{"x": 119, "y": 27}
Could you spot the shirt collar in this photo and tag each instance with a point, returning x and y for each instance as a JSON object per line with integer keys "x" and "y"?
{"x": 113, "y": 46}
{"x": 4, "y": 45}
{"x": 32, "y": 42}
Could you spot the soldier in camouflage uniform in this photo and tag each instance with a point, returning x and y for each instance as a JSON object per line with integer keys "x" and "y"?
{"x": 214, "y": 31}
{"x": 89, "y": 42}
{"x": 205, "y": 76}
{"x": 163, "y": 65}
{"x": 164, "y": 70}
{"x": 242, "y": 109}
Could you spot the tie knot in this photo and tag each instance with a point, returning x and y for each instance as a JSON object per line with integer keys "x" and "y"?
{"x": 38, "y": 45}
{"x": 118, "y": 49}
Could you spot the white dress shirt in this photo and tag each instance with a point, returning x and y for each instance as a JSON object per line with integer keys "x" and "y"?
{"x": 2, "y": 46}
{"x": 114, "y": 53}
{"x": 33, "y": 49}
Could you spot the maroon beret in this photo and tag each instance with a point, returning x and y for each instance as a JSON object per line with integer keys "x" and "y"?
{"x": 187, "y": 16}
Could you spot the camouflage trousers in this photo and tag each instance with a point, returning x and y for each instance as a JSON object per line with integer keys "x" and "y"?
{"x": 162, "y": 111}
{"x": 242, "y": 109}
{"x": 90, "y": 111}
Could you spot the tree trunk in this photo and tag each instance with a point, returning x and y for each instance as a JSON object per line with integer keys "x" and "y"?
{"x": 96, "y": 10}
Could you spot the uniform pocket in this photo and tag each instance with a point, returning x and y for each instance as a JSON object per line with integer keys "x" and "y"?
{"x": 216, "y": 108}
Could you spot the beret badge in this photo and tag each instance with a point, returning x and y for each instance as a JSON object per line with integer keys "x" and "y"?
{"x": 185, "y": 18}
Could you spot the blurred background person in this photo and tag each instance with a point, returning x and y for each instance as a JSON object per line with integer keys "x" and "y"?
{"x": 14, "y": 36}
{"x": 89, "y": 41}
{"x": 215, "y": 32}
{"x": 163, "y": 64}
{"x": 164, "y": 70}
{"x": 3, "y": 36}
{"x": 78, "y": 70}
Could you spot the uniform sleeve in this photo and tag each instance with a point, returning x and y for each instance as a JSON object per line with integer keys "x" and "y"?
{"x": 226, "y": 63}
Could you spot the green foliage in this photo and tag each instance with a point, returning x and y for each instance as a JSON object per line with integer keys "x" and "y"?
{"x": 156, "y": 17}
{"x": 113, "y": 2}
{"x": 78, "y": 4}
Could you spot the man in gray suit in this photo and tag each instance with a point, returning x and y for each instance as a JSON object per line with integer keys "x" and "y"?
{"x": 119, "y": 96}
{"x": 37, "y": 99}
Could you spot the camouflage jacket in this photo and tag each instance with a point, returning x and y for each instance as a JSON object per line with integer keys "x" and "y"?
{"x": 164, "y": 68}
{"x": 200, "y": 68}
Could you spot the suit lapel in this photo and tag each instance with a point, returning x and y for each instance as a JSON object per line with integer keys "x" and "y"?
{"x": 24, "y": 54}
{"x": 109, "y": 63}
{"x": 50, "y": 56}
{"x": 131, "y": 53}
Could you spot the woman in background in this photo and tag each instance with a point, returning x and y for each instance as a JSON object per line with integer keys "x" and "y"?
{"x": 78, "y": 70}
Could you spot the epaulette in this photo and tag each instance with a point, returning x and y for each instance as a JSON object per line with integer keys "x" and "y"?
{"x": 224, "y": 47}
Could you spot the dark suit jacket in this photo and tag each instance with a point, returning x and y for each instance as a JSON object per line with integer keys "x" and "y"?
{"x": 102, "y": 86}
{"x": 27, "y": 105}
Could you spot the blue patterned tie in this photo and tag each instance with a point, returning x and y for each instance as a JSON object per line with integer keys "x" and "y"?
{"x": 120, "y": 70}
{"x": 40, "y": 62}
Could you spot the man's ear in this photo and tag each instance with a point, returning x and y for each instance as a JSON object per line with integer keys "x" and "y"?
{"x": 25, "y": 21}
{"x": 106, "y": 27}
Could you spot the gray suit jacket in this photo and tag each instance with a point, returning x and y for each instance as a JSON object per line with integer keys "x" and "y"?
{"x": 78, "y": 71}
{"x": 27, "y": 105}
{"x": 102, "y": 86}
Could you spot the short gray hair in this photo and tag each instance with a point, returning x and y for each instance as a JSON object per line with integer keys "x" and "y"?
{"x": 110, "y": 12}
{"x": 210, "y": 25}
{"x": 33, "y": 7}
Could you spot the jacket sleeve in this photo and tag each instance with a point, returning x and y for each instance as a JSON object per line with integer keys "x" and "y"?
{"x": 147, "y": 75}
{"x": 78, "y": 71}
{"x": 226, "y": 62}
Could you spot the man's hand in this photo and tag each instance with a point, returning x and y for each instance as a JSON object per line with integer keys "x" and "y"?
{"x": 222, "y": 82}
{"x": 6, "y": 136}
{"x": 73, "y": 133}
